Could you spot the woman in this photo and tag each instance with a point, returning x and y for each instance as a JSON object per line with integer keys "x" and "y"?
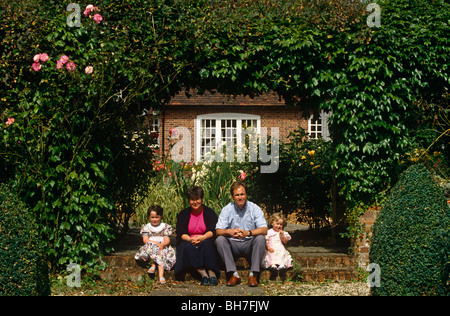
{"x": 196, "y": 232}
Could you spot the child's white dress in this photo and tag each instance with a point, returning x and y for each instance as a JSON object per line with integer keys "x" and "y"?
{"x": 280, "y": 258}
{"x": 151, "y": 251}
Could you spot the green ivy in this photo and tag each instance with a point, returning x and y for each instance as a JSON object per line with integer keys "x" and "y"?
{"x": 316, "y": 54}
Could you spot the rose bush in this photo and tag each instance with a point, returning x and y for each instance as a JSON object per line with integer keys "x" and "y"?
{"x": 62, "y": 125}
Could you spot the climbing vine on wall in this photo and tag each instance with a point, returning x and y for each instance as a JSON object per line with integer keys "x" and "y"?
{"x": 317, "y": 54}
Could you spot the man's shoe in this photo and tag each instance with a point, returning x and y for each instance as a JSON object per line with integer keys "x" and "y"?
{"x": 252, "y": 281}
{"x": 233, "y": 281}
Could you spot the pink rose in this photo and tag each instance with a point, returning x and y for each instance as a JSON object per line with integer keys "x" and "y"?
{"x": 98, "y": 18}
{"x": 10, "y": 121}
{"x": 36, "y": 58}
{"x": 44, "y": 57}
{"x": 36, "y": 66}
{"x": 242, "y": 176}
{"x": 59, "y": 65}
{"x": 71, "y": 66}
{"x": 64, "y": 59}
{"x": 89, "y": 70}
{"x": 88, "y": 9}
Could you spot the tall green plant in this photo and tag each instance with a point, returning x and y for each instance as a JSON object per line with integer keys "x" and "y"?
{"x": 216, "y": 179}
{"x": 165, "y": 195}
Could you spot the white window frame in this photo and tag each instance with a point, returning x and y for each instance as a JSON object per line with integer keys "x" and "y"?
{"x": 218, "y": 117}
{"x": 315, "y": 125}
{"x": 155, "y": 126}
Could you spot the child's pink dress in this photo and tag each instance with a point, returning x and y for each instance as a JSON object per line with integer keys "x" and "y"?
{"x": 280, "y": 258}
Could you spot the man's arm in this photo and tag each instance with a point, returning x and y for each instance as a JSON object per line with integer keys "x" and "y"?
{"x": 230, "y": 232}
{"x": 257, "y": 231}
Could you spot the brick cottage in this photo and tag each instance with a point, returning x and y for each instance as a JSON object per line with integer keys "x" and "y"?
{"x": 212, "y": 118}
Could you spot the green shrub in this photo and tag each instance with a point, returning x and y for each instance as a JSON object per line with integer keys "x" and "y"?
{"x": 302, "y": 182}
{"x": 409, "y": 241}
{"x": 23, "y": 268}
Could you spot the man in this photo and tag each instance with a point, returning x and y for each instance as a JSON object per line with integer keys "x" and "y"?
{"x": 240, "y": 232}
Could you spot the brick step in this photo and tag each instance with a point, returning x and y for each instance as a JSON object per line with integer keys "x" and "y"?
{"x": 304, "y": 261}
{"x": 307, "y": 268}
{"x": 303, "y": 275}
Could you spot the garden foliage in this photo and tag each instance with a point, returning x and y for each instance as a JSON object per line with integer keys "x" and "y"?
{"x": 62, "y": 122}
{"x": 72, "y": 115}
{"x": 302, "y": 183}
{"x": 23, "y": 263}
{"x": 410, "y": 238}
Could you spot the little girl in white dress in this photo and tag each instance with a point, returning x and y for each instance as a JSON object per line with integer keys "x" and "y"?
{"x": 157, "y": 250}
{"x": 277, "y": 257}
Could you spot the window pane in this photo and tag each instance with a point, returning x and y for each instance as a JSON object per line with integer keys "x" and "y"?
{"x": 208, "y": 137}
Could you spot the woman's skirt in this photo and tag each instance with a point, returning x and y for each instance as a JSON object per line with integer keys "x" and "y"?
{"x": 202, "y": 255}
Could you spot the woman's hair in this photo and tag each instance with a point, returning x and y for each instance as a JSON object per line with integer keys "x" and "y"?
{"x": 276, "y": 217}
{"x": 195, "y": 192}
{"x": 236, "y": 185}
{"x": 155, "y": 208}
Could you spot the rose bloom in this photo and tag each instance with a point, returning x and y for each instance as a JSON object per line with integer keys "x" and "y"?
{"x": 70, "y": 66}
{"x": 44, "y": 57}
{"x": 36, "y": 58}
{"x": 36, "y": 66}
{"x": 59, "y": 65}
{"x": 64, "y": 59}
{"x": 98, "y": 18}
{"x": 89, "y": 70}
{"x": 10, "y": 121}
{"x": 88, "y": 9}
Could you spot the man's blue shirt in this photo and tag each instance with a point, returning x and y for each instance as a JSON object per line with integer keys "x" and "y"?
{"x": 249, "y": 218}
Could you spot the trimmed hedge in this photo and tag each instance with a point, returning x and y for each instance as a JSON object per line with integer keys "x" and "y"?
{"x": 409, "y": 237}
{"x": 23, "y": 268}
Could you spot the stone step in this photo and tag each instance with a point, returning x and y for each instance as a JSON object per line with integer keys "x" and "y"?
{"x": 307, "y": 268}
{"x": 315, "y": 261}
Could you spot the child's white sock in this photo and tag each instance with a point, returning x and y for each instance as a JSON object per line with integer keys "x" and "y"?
{"x": 236, "y": 274}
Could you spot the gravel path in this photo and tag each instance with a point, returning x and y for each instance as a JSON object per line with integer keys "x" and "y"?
{"x": 288, "y": 288}
{"x": 317, "y": 289}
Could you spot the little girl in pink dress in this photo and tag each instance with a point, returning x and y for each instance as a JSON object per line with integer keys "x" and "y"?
{"x": 277, "y": 257}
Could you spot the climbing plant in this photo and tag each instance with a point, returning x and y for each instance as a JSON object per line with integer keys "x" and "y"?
{"x": 72, "y": 97}
{"x": 62, "y": 121}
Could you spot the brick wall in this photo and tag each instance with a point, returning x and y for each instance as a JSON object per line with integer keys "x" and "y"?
{"x": 362, "y": 244}
{"x": 183, "y": 111}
